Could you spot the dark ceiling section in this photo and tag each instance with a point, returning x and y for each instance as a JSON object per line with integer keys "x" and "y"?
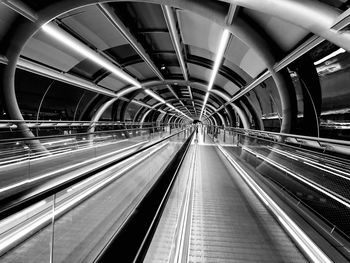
{"x": 146, "y": 22}
{"x": 340, "y": 4}
{"x": 29, "y": 90}
{"x": 322, "y": 50}
{"x": 124, "y": 54}
{"x": 89, "y": 70}
{"x": 257, "y": 26}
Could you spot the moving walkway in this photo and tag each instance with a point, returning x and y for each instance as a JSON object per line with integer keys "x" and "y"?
{"x": 190, "y": 197}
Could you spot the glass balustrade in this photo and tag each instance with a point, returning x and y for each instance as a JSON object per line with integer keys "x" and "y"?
{"x": 75, "y": 223}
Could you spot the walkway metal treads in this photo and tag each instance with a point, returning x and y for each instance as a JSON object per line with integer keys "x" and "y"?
{"x": 85, "y": 216}
{"x": 162, "y": 248}
{"x": 229, "y": 223}
{"x": 132, "y": 242}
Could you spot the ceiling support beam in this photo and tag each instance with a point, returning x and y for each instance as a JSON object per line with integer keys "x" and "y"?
{"x": 108, "y": 12}
{"x": 10, "y": 99}
{"x": 295, "y": 54}
{"x": 22, "y": 33}
{"x": 191, "y": 97}
{"x": 201, "y": 85}
{"x": 224, "y": 40}
{"x": 21, "y": 8}
{"x": 232, "y": 14}
{"x": 171, "y": 24}
{"x": 177, "y": 97}
{"x": 212, "y": 111}
{"x": 119, "y": 25}
{"x": 315, "y": 16}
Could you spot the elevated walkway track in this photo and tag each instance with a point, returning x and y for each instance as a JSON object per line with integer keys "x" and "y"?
{"x": 186, "y": 197}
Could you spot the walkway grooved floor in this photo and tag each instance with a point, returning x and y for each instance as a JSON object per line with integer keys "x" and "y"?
{"x": 229, "y": 224}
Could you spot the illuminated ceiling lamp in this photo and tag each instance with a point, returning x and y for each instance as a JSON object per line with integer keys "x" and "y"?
{"x": 333, "y": 54}
{"x": 74, "y": 44}
{"x": 220, "y": 54}
{"x": 155, "y": 96}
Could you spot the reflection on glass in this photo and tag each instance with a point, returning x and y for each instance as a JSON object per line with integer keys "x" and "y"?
{"x": 267, "y": 103}
{"x": 333, "y": 68}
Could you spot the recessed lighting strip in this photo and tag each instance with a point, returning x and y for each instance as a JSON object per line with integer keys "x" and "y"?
{"x": 74, "y": 44}
{"x": 333, "y": 54}
{"x": 220, "y": 54}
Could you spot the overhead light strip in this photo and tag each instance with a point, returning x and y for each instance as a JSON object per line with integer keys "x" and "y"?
{"x": 220, "y": 54}
{"x": 222, "y": 47}
{"x": 204, "y": 103}
{"x": 69, "y": 41}
{"x": 170, "y": 20}
{"x": 155, "y": 96}
{"x": 333, "y": 54}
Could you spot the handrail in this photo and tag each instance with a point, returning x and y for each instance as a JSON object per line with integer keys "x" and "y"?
{"x": 141, "y": 253}
{"x": 303, "y": 137}
{"x": 74, "y": 135}
{"x": 40, "y": 121}
{"x": 153, "y": 203}
{"x": 51, "y": 123}
{"x": 15, "y": 206}
{"x": 69, "y": 121}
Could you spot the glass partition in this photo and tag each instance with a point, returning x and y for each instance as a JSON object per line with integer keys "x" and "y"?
{"x": 25, "y": 163}
{"x": 322, "y": 76}
{"x": 76, "y": 223}
{"x": 316, "y": 181}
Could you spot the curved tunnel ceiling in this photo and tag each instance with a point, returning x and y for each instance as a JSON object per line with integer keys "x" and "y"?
{"x": 166, "y": 54}
{"x": 154, "y": 37}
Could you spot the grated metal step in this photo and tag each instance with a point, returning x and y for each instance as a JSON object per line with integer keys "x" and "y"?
{"x": 228, "y": 222}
